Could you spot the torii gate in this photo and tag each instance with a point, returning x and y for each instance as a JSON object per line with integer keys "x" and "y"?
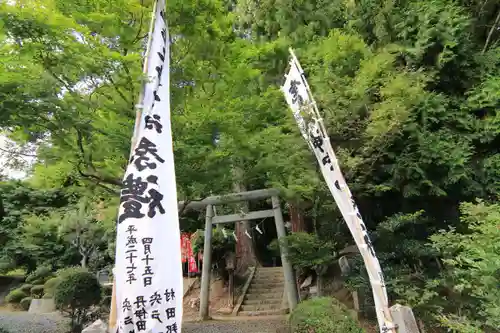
{"x": 208, "y": 204}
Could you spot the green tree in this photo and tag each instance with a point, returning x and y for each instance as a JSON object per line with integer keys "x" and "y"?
{"x": 18, "y": 202}
{"x": 471, "y": 274}
{"x": 81, "y": 228}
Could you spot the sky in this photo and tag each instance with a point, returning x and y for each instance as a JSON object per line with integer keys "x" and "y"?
{"x": 6, "y": 171}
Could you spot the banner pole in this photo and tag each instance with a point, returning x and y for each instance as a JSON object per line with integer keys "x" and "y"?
{"x": 138, "y": 117}
{"x": 348, "y": 210}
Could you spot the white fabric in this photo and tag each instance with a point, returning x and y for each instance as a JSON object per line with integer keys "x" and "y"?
{"x": 296, "y": 90}
{"x": 141, "y": 236}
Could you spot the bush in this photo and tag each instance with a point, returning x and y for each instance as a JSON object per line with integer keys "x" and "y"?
{"x": 37, "y": 291}
{"x": 65, "y": 272}
{"x": 323, "y": 315}
{"x": 26, "y": 287}
{"x": 39, "y": 275}
{"x": 106, "y": 294}
{"x": 75, "y": 294}
{"x": 25, "y": 303}
{"x": 38, "y": 282}
{"x": 15, "y": 296}
{"x": 50, "y": 286}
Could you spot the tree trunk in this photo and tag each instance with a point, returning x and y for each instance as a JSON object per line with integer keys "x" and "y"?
{"x": 245, "y": 252}
{"x": 84, "y": 260}
{"x": 296, "y": 218}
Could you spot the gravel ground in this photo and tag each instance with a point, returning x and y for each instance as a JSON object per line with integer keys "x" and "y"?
{"x": 23, "y": 322}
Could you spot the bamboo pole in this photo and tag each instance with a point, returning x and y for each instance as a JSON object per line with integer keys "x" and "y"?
{"x": 138, "y": 116}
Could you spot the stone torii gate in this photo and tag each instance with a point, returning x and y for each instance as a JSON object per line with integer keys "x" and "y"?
{"x": 208, "y": 204}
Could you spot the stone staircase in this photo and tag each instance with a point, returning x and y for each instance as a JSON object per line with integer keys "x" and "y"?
{"x": 265, "y": 294}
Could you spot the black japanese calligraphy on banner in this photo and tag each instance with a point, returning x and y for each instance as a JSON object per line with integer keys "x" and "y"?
{"x": 135, "y": 193}
{"x": 317, "y": 141}
{"x": 294, "y": 91}
{"x": 145, "y": 155}
{"x": 148, "y": 224}
{"x": 148, "y": 273}
{"x": 297, "y": 93}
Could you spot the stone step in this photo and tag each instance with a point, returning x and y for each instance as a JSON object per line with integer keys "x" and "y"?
{"x": 274, "y": 275}
{"x": 279, "y": 274}
{"x": 269, "y": 276}
{"x": 263, "y": 296}
{"x": 258, "y": 279}
{"x": 260, "y": 307}
{"x": 277, "y": 268}
{"x": 270, "y": 270}
{"x": 267, "y": 285}
{"x": 276, "y": 301}
{"x": 265, "y": 290}
{"x": 263, "y": 313}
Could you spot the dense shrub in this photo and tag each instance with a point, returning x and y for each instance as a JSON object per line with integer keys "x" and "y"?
{"x": 67, "y": 271}
{"x": 106, "y": 294}
{"x": 323, "y": 315}
{"x": 37, "y": 291}
{"x": 15, "y": 296}
{"x": 40, "y": 275}
{"x": 25, "y": 303}
{"x": 75, "y": 294}
{"x": 26, "y": 287}
{"x": 50, "y": 286}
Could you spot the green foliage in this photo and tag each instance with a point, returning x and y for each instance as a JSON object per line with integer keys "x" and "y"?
{"x": 50, "y": 286}
{"x": 41, "y": 274}
{"x": 18, "y": 200}
{"x": 220, "y": 244}
{"x": 25, "y": 303}
{"x": 15, "y": 296}
{"x": 408, "y": 91}
{"x": 472, "y": 268}
{"x": 37, "y": 291}
{"x": 323, "y": 315}
{"x": 67, "y": 271}
{"x": 26, "y": 287}
{"x": 308, "y": 251}
{"x": 83, "y": 231}
{"x": 75, "y": 294}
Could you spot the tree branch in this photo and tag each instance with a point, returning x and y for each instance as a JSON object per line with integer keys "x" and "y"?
{"x": 490, "y": 34}
{"x": 184, "y": 206}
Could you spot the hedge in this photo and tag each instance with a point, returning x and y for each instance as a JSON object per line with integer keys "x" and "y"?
{"x": 323, "y": 315}
{"x": 15, "y": 296}
{"x": 37, "y": 291}
{"x": 39, "y": 275}
{"x": 26, "y": 287}
{"x": 50, "y": 285}
{"x": 25, "y": 303}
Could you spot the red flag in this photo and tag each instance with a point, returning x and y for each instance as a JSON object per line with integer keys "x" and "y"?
{"x": 192, "y": 267}
{"x": 184, "y": 246}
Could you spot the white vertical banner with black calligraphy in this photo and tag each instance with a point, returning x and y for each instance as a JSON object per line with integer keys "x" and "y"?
{"x": 148, "y": 271}
{"x": 303, "y": 106}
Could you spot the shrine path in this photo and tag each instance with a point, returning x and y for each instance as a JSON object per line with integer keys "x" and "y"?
{"x": 23, "y": 322}
{"x": 242, "y": 325}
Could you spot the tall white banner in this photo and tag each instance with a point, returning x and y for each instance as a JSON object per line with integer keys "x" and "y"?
{"x": 148, "y": 271}
{"x": 301, "y": 102}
